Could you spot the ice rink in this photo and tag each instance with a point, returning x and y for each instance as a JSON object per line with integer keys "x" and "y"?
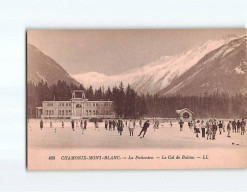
{"x": 164, "y": 137}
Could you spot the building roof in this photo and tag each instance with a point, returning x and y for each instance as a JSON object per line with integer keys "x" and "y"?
{"x": 188, "y": 110}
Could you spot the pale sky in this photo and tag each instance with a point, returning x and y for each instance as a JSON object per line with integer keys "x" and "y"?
{"x": 114, "y": 51}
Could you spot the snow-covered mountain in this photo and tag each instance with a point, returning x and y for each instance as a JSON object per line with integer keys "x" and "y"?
{"x": 222, "y": 70}
{"x": 42, "y": 67}
{"x": 156, "y": 75}
{"x": 215, "y": 65}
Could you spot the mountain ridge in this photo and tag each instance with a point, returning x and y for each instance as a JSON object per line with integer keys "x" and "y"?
{"x": 42, "y": 67}
{"x": 159, "y": 74}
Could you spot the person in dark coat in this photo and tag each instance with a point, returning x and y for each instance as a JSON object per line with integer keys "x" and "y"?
{"x": 106, "y": 124}
{"x": 81, "y": 124}
{"x": 120, "y": 126}
{"x": 62, "y": 124}
{"x": 243, "y": 123}
{"x": 215, "y": 127}
{"x": 110, "y": 125}
{"x": 144, "y": 128}
{"x": 73, "y": 125}
{"x": 113, "y": 124}
{"x": 181, "y": 123}
{"x": 220, "y": 125}
{"x": 238, "y": 126}
{"x": 85, "y": 124}
{"x": 41, "y": 124}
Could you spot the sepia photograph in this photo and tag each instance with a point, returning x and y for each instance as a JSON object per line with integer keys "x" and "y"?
{"x": 136, "y": 99}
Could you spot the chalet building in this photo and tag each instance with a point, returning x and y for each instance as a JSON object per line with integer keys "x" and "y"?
{"x": 184, "y": 115}
{"x": 76, "y": 108}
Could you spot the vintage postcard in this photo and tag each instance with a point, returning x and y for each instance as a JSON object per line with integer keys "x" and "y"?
{"x": 136, "y": 99}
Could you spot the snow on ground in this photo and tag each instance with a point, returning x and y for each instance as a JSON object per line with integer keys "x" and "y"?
{"x": 165, "y": 137}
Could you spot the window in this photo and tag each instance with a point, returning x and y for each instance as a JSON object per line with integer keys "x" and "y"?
{"x": 78, "y": 106}
{"x": 49, "y": 104}
{"x": 62, "y": 112}
{"x": 97, "y": 112}
{"x": 66, "y": 112}
{"x": 47, "y": 112}
{"x": 52, "y": 112}
{"x": 69, "y": 112}
{"x": 86, "y": 112}
{"x": 59, "y": 112}
{"x": 94, "y": 112}
{"x": 89, "y": 112}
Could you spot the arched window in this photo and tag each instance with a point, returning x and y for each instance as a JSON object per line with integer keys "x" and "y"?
{"x": 78, "y": 105}
{"x": 186, "y": 115}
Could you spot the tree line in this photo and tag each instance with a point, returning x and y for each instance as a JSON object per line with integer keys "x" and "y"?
{"x": 128, "y": 104}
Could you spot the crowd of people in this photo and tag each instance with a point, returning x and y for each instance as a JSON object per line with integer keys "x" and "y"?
{"x": 119, "y": 124}
{"x": 211, "y": 126}
{"x": 207, "y": 128}
{"x": 111, "y": 125}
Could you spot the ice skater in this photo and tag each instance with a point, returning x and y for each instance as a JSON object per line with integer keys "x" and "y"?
{"x": 114, "y": 125}
{"x": 120, "y": 126}
{"x": 73, "y": 125}
{"x": 140, "y": 123}
{"x": 224, "y": 126}
{"x": 229, "y": 128}
{"x": 243, "y": 123}
{"x": 110, "y": 125}
{"x": 41, "y": 124}
{"x": 220, "y": 125}
{"x": 131, "y": 127}
{"x": 156, "y": 125}
{"x": 209, "y": 129}
{"x": 144, "y": 128}
{"x": 106, "y": 124}
{"x": 96, "y": 125}
{"x": 197, "y": 128}
{"x": 82, "y": 128}
{"x": 191, "y": 125}
{"x": 81, "y": 124}
{"x": 215, "y": 127}
{"x": 62, "y": 124}
{"x": 181, "y": 124}
{"x": 85, "y": 124}
{"x": 234, "y": 126}
{"x": 238, "y": 126}
{"x": 203, "y": 128}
